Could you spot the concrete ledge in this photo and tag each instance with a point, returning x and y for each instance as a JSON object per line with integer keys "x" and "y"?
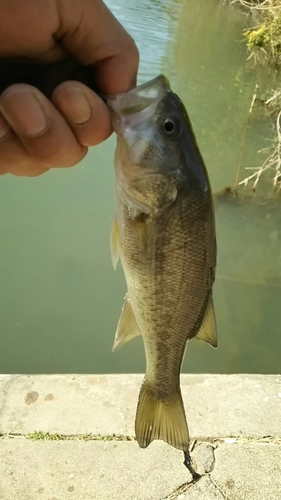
{"x": 234, "y": 420}
{"x": 117, "y": 471}
{"x": 88, "y": 470}
{"x": 216, "y": 405}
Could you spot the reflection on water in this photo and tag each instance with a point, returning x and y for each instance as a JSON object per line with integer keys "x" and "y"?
{"x": 60, "y": 298}
{"x": 153, "y": 26}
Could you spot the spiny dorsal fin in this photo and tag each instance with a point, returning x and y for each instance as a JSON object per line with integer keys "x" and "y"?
{"x": 208, "y": 329}
{"x": 161, "y": 418}
{"x": 114, "y": 244}
{"x": 127, "y": 327}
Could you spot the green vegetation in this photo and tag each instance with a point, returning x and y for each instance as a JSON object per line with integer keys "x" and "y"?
{"x": 46, "y": 436}
{"x": 264, "y": 38}
{"x": 264, "y": 43}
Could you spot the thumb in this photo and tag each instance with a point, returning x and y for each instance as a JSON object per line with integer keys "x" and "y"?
{"x": 91, "y": 33}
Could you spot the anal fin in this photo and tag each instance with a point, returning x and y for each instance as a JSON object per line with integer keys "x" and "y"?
{"x": 127, "y": 327}
{"x": 208, "y": 329}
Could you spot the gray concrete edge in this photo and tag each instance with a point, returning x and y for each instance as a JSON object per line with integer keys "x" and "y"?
{"x": 62, "y": 434}
{"x": 217, "y": 406}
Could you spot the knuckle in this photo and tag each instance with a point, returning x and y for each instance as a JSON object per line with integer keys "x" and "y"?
{"x": 132, "y": 52}
{"x": 56, "y": 148}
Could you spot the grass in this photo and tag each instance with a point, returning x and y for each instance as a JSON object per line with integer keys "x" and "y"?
{"x": 264, "y": 46}
{"x": 47, "y": 436}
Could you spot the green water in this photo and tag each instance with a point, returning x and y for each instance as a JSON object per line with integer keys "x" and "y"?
{"x": 60, "y": 299}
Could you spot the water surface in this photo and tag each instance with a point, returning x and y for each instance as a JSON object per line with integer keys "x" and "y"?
{"x": 60, "y": 298}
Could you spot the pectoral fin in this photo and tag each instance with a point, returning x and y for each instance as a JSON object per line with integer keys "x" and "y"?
{"x": 114, "y": 244}
{"x": 127, "y": 327}
{"x": 140, "y": 229}
{"x": 208, "y": 329}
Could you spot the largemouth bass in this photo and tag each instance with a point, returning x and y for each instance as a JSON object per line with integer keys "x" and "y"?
{"x": 164, "y": 234}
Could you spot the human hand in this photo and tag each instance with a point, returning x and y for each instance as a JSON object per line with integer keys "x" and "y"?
{"x": 44, "y": 39}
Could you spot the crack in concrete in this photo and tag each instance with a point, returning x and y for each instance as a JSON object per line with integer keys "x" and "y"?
{"x": 217, "y": 442}
{"x": 233, "y": 440}
{"x": 47, "y": 436}
{"x": 240, "y": 440}
{"x": 180, "y": 490}
{"x": 184, "y": 487}
{"x": 217, "y": 486}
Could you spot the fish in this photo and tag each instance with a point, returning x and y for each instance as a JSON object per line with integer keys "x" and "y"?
{"x": 164, "y": 235}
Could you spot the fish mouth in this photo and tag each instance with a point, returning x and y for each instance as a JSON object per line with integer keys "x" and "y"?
{"x": 139, "y": 98}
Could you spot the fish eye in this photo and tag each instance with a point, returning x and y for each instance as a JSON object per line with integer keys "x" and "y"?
{"x": 170, "y": 126}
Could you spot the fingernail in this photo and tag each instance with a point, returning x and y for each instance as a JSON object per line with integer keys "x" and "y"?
{"x": 23, "y": 111}
{"x": 74, "y": 104}
{"x": 4, "y": 127}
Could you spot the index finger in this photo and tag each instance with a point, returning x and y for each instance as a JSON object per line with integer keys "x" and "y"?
{"x": 91, "y": 33}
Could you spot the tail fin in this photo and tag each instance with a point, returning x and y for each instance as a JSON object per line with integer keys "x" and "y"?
{"x": 161, "y": 419}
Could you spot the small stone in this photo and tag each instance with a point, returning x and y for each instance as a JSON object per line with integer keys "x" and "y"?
{"x": 203, "y": 458}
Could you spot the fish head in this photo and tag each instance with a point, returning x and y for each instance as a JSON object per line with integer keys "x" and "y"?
{"x": 156, "y": 155}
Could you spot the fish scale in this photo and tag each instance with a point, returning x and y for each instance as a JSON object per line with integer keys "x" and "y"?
{"x": 167, "y": 302}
